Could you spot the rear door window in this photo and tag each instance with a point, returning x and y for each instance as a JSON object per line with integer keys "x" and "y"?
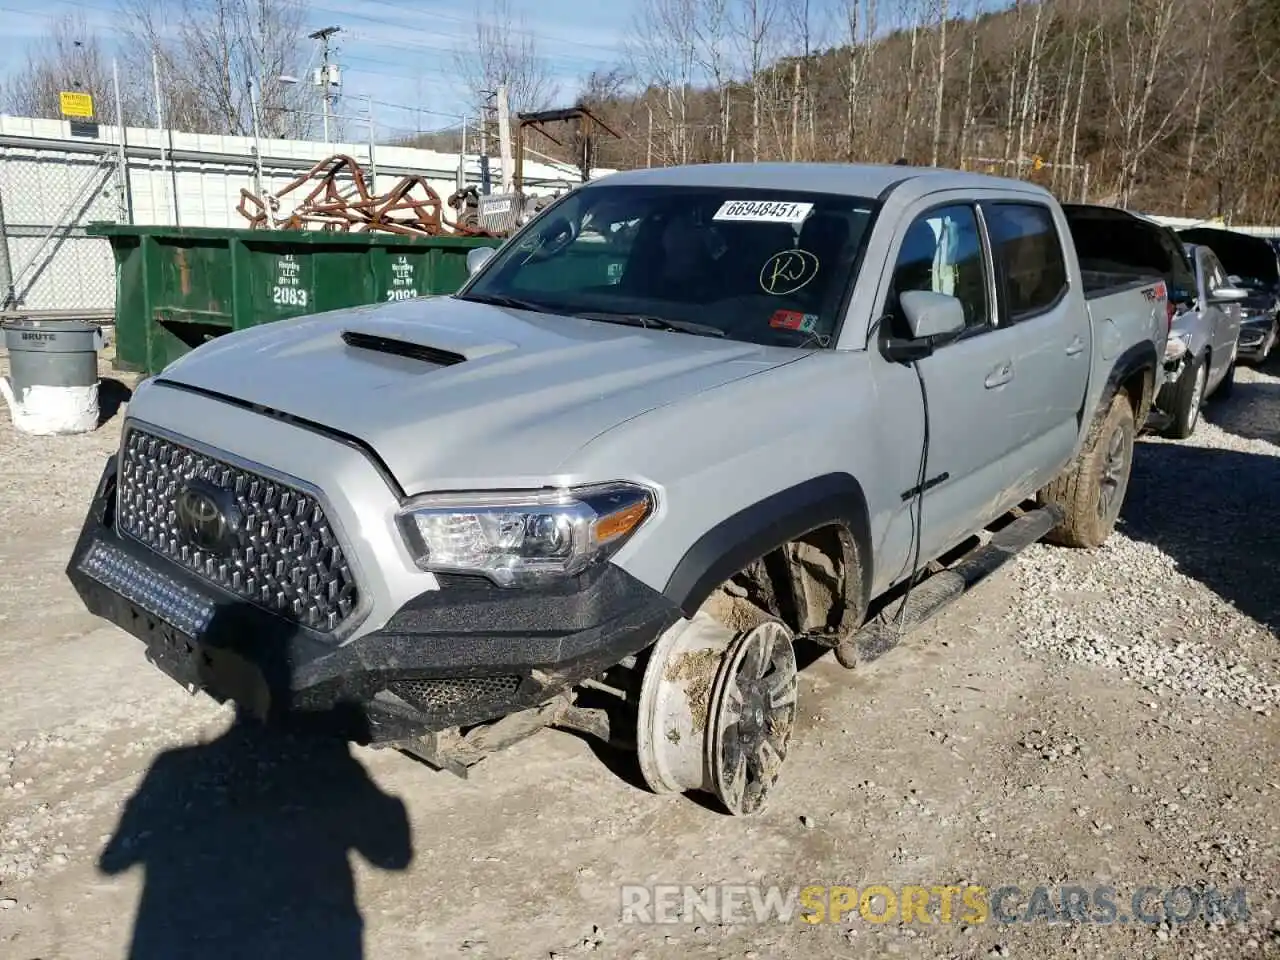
{"x": 1031, "y": 271}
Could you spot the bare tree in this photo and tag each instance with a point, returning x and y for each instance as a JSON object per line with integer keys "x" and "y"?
{"x": 1213, "y": 27}
{"x": 503, "y": 50}
{"x": 1168, "y": 105}
{"x": 69, "y": 57}
{"x": 711, "y": 25}
{"x": 663, "y": 48}
{"x": 754, "y": 28}
{"x": 966, "y": 115}
{"x": 1137, "y": 53}
{"x": 1029, "y": 104}
{"x": 909, "y": 90}
{"x": 940, "y": 79}
{"x": 214, "y": 54}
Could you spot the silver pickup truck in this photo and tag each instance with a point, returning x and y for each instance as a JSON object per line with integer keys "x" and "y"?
{"x": 682, "y": 423}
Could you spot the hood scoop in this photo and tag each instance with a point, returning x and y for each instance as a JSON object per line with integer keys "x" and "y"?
{"x": 402, "y": 348}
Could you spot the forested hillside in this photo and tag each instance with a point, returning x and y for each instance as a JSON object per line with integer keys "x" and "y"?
{"x": 1171, "y": 106}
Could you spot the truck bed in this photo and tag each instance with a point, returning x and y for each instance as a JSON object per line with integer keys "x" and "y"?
{"x": 1104, "y": 283}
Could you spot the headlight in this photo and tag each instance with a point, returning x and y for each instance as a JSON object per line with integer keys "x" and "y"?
{"x": 1176, "y": 345}
{"x": 522, "y": 536}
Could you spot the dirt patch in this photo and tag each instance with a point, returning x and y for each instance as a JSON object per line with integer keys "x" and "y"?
{"x": 982, "y": 751}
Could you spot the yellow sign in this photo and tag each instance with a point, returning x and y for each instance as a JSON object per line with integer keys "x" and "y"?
{"x": 76, "y": 104}
{"x": 1037, "y": 162}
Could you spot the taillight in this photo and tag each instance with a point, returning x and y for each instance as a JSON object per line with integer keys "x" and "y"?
{"x": 1162, "y": 290}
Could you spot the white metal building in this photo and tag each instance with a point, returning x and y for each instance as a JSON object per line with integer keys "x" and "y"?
{"x": 53, "y": 183}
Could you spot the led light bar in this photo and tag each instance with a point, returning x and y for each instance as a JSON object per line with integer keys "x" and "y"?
{"x": 162, "y": 596}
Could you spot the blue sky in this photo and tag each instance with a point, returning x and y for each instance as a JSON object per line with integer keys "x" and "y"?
{"x": 397, "y": 51}
{"x": 401, "y": 52}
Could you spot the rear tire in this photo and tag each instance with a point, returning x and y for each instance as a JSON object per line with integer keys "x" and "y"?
{"x": 1182, "y": 400}
{"x": 1092, "y": 488}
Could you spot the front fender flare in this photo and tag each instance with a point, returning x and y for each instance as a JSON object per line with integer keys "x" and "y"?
{"x": 738, "y": 540}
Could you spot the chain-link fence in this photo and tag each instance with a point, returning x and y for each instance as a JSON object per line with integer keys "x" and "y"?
{"x": 47, "y": 197}
{"x": 53, "y": 185}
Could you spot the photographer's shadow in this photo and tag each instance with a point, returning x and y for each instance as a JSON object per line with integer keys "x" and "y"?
{"x": 244, "y": 842}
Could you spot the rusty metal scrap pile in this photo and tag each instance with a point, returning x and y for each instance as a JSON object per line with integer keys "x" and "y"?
{"x": 337, "y": 199}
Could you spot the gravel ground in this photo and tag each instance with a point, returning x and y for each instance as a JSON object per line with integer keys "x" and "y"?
{"x": 1085, "y": 718}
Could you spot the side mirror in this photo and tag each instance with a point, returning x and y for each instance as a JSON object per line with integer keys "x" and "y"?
{"x": 1228, "y": 294}
{"x": 477, "y": 257}
{"x": 931, "y": 314}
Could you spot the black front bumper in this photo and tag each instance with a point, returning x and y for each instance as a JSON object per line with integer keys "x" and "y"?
{"x": 463, "y": 654}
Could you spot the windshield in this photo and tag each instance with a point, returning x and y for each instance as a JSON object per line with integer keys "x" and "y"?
{"x": 764, "y": 266}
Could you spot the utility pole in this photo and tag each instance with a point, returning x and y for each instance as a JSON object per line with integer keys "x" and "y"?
{"x": 173, "y": 172}
{"x": 504, "y": 140}
{"x": 373, "y": 163}
{"x": 122, "y": 159}
{"x": 325, "y": 73}
{"x": 648, "y": 150}
{"x": 257, "y": 139}
{"x": 486, "y": 181}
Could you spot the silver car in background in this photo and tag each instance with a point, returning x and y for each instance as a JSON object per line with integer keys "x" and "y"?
{"x": 1200, "y": 358}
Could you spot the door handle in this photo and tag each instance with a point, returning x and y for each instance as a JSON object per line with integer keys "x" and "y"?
{"x": 1000, "y": 375}
{"x": 1075, "y": 346}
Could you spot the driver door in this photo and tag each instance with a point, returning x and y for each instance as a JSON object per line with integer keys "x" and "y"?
{"x": 969, "y": 404}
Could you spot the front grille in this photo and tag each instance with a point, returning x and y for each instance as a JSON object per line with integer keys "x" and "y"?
{"x": 445, "y": 694}
{"x": 286, "y": 557}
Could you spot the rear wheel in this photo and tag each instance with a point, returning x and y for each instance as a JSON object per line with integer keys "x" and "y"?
{"x": 1092, "y": 489}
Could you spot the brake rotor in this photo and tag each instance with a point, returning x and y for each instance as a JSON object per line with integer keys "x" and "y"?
{"x": 753, "y": 712}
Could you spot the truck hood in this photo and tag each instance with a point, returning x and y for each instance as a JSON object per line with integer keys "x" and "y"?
{"x": 453, "y": 394}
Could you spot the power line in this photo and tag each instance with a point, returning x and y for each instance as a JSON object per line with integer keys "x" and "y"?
{"x": 434, "y": 14}
{"x": 410, "y": 107}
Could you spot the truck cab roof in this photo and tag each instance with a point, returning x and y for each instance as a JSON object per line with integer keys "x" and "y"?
{"x": 867, "y": 180}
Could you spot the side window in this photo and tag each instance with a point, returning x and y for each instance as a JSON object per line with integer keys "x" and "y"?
{"x": 1182, "y": 272}
{"x": 1030, "y": 270}
{"x": 942, "y": 252}
{"x": 1215, "y": 276}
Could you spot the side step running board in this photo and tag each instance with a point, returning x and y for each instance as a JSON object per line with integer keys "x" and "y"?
{"x": 929, "y": 597}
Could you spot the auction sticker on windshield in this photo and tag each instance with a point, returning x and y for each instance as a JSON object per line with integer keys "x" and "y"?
{"x": 794, "y": 320}
{"x": 763, "y": 211}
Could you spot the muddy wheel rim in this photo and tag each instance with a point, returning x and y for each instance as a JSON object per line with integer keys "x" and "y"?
{"x": 674, "y": 706}
{"x": 753, "y": 712}
{"x": 1115, "y": 473}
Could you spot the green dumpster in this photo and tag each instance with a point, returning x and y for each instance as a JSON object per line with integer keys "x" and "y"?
{"x": 177, "y": 287}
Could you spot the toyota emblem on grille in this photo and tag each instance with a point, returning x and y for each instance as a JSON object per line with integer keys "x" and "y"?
{"x": 207, "y": 517}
